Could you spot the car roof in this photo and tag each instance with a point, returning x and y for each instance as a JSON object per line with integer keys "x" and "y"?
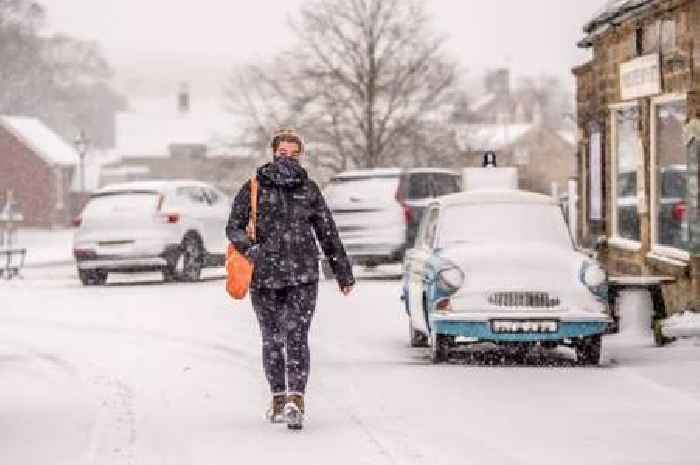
{"x": 150, "y": 185}
{"x": 492, "y": 196}
{"x": 390, "y": 172}
{"x": 378, "y": 172}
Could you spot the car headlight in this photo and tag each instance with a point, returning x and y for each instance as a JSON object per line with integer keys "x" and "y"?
{"x": 592, "y": 275}
{"x": 451, "y": 279}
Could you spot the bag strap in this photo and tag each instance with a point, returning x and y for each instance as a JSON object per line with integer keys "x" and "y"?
{"x": 253, "y": 207}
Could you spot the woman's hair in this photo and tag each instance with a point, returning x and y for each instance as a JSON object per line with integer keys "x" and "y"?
{"x": 286, "y": 135}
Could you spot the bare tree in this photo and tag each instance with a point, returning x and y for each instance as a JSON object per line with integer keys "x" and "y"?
{"x": 366, "y": 82}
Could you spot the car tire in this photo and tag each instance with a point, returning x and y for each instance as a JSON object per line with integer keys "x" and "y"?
{"x": 588, "y": 350}
{"x": 416, "y": 338}
{"x": 188, "y": 262}
{"x": 440, "y": 348}
{"x": 92, "y": 277}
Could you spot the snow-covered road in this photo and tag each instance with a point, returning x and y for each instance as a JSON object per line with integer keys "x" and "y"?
{"x": 139, "y": 372}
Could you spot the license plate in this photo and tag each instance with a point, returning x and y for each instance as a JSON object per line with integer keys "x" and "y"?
{"x": 524, "y": 326}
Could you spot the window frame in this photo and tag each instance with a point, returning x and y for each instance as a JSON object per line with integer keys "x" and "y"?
{"x": 656, "y": 248}
{"x": 615, "y": 239}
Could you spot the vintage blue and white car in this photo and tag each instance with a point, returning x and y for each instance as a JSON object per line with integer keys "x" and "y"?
{"x": 499, "y": 266}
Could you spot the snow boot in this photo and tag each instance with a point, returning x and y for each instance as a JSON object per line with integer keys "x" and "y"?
{"x": 294, "y": 411}
{"x": 275, "y": 414}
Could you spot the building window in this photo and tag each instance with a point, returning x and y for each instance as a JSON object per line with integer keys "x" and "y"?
{"x": 626, "y": 161}
{"x": 669, "y": 174}
{"x": 657, "y": 36}
{"x": 668, "y": 35}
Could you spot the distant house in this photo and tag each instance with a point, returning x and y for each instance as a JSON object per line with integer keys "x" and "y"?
{"x": 37, "y": 166}
{"x": 160, "y": 140}
{"x": 545, "y": 158}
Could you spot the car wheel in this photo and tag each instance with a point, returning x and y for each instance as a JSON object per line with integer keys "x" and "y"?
{"x": 416, "y": 338}
{"x": 588, "y": 350}
{"x": 92, "y": 277}
{"x": 327, "y": 270}
{"x": 440, "y": 348}
{"x": 187, "y": 265}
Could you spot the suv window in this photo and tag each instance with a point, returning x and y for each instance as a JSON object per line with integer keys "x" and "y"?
{"x": 419, "y": 186}
{"x": 194, "y": 194}
{"x": 445, "y": 183}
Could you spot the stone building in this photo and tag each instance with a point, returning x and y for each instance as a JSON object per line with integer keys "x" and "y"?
{"x": 638, "y": 177}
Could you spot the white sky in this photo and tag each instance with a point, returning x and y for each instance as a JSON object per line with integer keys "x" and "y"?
{"x": 150, "y": 40}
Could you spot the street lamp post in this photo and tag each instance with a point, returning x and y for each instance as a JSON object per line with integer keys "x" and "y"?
{"x": 81, "y": 144}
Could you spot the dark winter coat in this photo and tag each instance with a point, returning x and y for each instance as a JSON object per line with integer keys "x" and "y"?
{"x": 290, "y": 209}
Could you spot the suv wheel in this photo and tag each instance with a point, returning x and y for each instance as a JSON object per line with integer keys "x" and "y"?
{"x": 92, "y": 277}
{"x": 188, "y": 262}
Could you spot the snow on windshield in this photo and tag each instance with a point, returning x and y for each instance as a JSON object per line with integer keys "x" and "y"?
{"x": 369, "y": 188}
{"x": 503, "y": 222}
{"x": 121, "y": 204}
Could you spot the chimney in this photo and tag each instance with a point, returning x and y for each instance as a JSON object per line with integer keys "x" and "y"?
{"x": 183, "y": 99}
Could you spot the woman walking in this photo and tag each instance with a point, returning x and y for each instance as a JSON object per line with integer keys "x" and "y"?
{"x": 283, "y": 290}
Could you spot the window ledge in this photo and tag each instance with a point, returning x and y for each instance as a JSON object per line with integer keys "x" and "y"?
{"x": 670, "y": 257}
{"x": 624, "y": 244}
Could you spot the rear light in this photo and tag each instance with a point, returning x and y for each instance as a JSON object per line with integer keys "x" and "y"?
{"x": 678, "y": 211}
{"x": 77, "y": 221}
{"x": 171, "y": 218}
{"x": 443, "y": 305}
{"x": 407, "y": 214}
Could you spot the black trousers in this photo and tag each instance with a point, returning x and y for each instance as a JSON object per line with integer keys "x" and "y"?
{"x": 285, "y": 317}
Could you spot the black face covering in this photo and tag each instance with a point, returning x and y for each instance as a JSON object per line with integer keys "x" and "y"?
{"x": 284, "y": 171}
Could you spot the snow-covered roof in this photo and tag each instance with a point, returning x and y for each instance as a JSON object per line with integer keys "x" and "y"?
{"x": 496, "y": 196}
{"x": 370, "y": 172}
{"x": 41, "y": 140}
{"x": 482, "y": 102}
{"x": 149, "y": 185}
{"x": 613, "y": 10}
{"x": 148, "y": 129}
{"x": 490, "y": 136}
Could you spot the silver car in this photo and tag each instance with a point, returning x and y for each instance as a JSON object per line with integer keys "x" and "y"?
{"x": 176, "y": 227}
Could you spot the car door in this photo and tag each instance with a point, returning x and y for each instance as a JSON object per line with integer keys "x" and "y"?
{"x": 417, "y": 270}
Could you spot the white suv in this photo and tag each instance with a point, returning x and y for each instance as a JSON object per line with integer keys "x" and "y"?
{"x": 177, "y": 227}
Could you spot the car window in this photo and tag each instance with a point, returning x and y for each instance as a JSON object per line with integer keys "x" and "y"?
{"x": 213, "y": 197}
{"x": 419, "y": 186}
{"x": 674, "y": 184}
{"x": 445, "y": 183}
{"x": 194, "y": 194}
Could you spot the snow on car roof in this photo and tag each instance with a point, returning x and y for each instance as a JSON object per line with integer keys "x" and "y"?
{"x": 379, "y": 172}
{"x": 496, "y": 196}
{"x": 41, "y": 140}
{"x": 152, "y": 185}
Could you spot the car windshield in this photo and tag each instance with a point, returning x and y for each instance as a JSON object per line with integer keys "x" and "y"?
{"x": 121, "y": 204}
{"x": 503, "y": 223}
{"x": 361, "y": 188}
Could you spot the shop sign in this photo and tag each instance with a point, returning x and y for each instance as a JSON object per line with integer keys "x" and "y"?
{"x": 640, "y": 77}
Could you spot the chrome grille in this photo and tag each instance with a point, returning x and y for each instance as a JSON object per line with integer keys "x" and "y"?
{"x": 523, "y": 299}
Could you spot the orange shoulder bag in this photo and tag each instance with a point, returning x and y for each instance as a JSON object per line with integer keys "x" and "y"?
{"x": 239, "y": 271}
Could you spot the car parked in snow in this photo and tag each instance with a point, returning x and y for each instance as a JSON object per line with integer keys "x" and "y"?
{"x": 499, "y": 266}
{"x": 176, "y": 227}
{"x": 377, "y": 211}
